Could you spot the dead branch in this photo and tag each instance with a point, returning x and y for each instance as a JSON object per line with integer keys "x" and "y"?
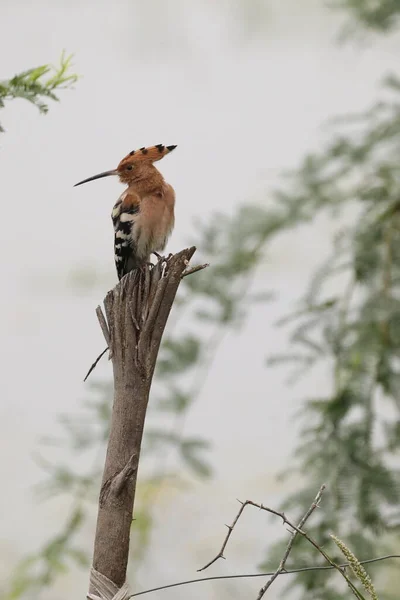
{"x": 136, "y": 312}
{"x": 293, "y": 536}
{"x": 270, "y": 510}
{"x": 94, "y": 365}
{"x": 296, "y": 530}
{"x": 228, "y": 535}
{"x": 194, "y": 270}
{"x": 103, "y": 322}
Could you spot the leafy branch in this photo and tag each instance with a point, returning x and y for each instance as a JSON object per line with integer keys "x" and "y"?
{"x": 348, "y": 323}
{"x": 39, "y": 84}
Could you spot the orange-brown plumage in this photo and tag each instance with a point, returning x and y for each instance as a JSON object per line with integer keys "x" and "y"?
{"x": 143, "y": 216}
{"x": 130, "y": 200}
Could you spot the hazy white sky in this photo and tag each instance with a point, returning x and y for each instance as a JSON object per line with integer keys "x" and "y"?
{"x": 239, "y": 110}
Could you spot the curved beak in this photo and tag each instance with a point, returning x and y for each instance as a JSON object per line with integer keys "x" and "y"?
{"x": 99, "y": 176}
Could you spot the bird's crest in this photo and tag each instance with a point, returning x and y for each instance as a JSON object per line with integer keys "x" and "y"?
{"x": 149, "y": 154}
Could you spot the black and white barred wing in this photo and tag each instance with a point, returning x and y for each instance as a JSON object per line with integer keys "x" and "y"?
{"x": 124, "y": 215}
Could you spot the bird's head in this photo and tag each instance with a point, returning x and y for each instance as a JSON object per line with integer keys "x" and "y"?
{"x": 135, "y": 164}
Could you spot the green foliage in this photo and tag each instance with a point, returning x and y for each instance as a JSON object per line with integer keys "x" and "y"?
{"x": 357, "y": 334}
{"x": 39, "y": 570}
{"x": 379, "y": 15}
{"x": 39, "y": 84}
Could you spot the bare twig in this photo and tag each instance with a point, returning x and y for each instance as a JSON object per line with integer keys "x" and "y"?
{"x": 270, "y": 510}
{"x": 226, "y": 540}
{"x": 94, "y": 365}
{"x": 251, "y": 575}
{"x": 293, "y": 536}
{"x": 297, "y": 529}
{"x": 333, "y": 565}
{"x": 103, "y": 324}
{"x": 194, "y": 270}
{"x": 106, "y": 333}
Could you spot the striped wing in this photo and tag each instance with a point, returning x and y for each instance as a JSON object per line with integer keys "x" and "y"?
{"x": 123, "y": 216}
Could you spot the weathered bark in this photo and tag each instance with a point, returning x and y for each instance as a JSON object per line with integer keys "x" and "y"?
{"x": 137, "y": 310}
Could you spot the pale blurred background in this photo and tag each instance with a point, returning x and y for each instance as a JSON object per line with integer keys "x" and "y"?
{"x": 242, "y": 88}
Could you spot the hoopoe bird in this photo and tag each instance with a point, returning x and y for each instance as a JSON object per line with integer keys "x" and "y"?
{"x": 143, "y": 216}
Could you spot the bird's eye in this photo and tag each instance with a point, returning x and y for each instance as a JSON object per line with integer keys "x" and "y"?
{"x": 129, "y": 167}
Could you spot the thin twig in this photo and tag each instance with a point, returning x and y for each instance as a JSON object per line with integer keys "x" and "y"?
{"x": 228, "y": 535}
{"x": 296, "y": 530}
{"x": 289, "y": 547}
{"x": 333, "y": 564}
{"x": 194, "y": 270}
{"x": 106, "y": 333}
{"x": 270, "y": 510}
{"x": 95, "y": 363}
{"x": 251, "y": 575}
{"x": 103, "y": 324}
